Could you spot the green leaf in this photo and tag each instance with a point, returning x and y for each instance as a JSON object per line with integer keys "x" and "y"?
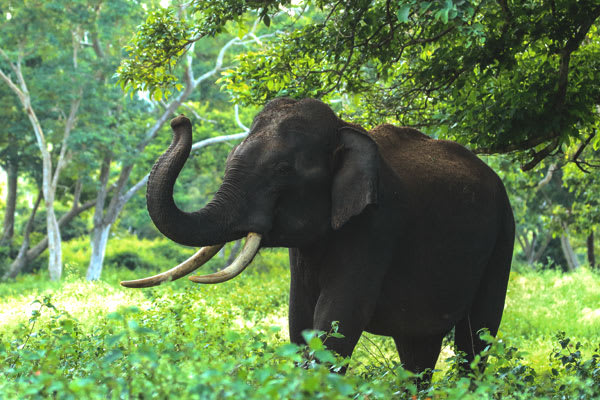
{"x": 325, "y": 356}
{"x": 112, "y": 356}
{"x": 403, "y": 13}
{"x": 157, "y": 94}
{"x": 287, "y": 350}
{"x": 111, "y": 340}
{"x": 316, "y": 344}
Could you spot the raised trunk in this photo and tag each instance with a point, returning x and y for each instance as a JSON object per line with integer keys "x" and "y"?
{"x": 208, "y": 226}
{"x": 11, "y": 201}
{"x": 99, "y": 241}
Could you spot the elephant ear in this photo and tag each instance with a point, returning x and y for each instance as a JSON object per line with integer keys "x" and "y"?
{"x": 356, "y": 176}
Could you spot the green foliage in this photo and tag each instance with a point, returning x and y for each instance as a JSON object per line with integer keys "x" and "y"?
{"x": 127, "y": 259}
{"x": 164, "y": 36}
{"x": 80, "y": 339}
{"x": 499, "y": 76}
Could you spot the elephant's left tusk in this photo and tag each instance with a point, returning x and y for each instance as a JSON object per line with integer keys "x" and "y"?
{"x": 237, "y": 266}
{"x": 189, "y": 265}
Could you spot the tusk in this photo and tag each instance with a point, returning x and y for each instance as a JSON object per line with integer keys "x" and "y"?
{"x": 189, "y": 265}
{"x": 241, "y": 262}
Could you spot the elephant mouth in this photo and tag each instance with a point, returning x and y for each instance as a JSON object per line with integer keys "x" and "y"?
{"x": 251, "y": 247}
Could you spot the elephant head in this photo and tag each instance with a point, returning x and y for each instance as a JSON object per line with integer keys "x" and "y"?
{"x": 299, "y": 175}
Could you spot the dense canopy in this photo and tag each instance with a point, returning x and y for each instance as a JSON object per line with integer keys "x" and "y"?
{"x": 499, "y": 76}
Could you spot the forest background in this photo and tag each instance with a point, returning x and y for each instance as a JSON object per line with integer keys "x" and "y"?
{"x": 87, "y": 89}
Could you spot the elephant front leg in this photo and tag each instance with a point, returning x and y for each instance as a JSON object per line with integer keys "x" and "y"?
{"x": 350, "y": 281}
{"x": 300, "y": 316}
{"x": 344, "y": 279}
{"x": 303, "y": 296}
{"x": 352, "y": 318}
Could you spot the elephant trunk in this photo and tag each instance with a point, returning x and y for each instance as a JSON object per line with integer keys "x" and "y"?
{"x": 210, "y": 225}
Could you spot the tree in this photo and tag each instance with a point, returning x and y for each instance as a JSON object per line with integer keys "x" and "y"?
{"x": 499, "y": 76}
{"x": 19, "y": 157}
{"x": 108, "y": 209}
{"x": 582, "y": 178}
{"x": 25, "y": 27}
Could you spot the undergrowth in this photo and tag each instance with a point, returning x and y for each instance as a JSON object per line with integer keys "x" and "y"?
{"x": 78, "y": 340}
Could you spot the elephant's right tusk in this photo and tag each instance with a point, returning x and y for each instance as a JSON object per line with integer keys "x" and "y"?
{"x": 189, "y": 265}
{"x": 237, "y": 266}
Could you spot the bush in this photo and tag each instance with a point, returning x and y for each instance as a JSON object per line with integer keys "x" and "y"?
{"x": 127, "y": 259}
{"x": 77, "y": 339}
{"x": 166, "y": 350}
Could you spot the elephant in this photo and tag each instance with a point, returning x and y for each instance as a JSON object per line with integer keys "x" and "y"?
{"x": 389, "y": 231}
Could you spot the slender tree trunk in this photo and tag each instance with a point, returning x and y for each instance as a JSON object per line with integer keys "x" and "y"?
{"x": 54, "y": 238}
{"x": 21, "y": 260}
{"x": 541, "y": 249}
{"x": 99, "y": 237}
{"x": 11, "y": 202}
{"x": 570, "y": 256}
{"x": 50, "y": 176}
{"x": 590, "y": 250}
{"x": 527, "y": 246}
{"x": 42, "y": 245}
{"x": 26, "y": 254}
{"x": 98, "y": 242}
{"x": 106, "y": 215}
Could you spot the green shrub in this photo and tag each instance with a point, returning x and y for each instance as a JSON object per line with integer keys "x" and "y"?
{"x": 77, "y": 339}
{"x": 127, "y": 259}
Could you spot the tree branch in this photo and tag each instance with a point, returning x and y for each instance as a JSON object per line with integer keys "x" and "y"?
{"x": 540, "y": 155}
{"x": 551, "y": 169}
{"x": 580, "y": 150}
{"x": 69, "y": 125}
{"x": 7, "y": 79}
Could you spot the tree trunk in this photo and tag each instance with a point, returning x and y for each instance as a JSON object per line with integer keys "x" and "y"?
{"x": 42, "y": 245}
{"x": 570, "y": 256}
{"x": 11, "y": 202}
{"x": 541, "y": 249}
{"x": 26, "y": 254}
{"x": 98, "y": 242}
{"x": 54, "y": 240}
{"x": 49, "y": 176}
{"x": 101, "y": 229}
{"x": 21, "y": 260}
{"x": 107, "y": 217}
{"x": 590, "y": 250}
{"x": 525, "y": 244}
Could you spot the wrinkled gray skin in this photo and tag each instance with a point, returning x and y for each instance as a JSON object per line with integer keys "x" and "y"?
{"x": 389, "y": 231}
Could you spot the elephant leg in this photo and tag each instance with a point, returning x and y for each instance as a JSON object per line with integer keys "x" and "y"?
{"x": 303, "y": 295}
{"x": 485, "y": 313}
{"x": 419, "y": 353}
{"x": 488, "y": 305}
{"x": 351, "y": 268}
{"x": 352, "y": 319}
